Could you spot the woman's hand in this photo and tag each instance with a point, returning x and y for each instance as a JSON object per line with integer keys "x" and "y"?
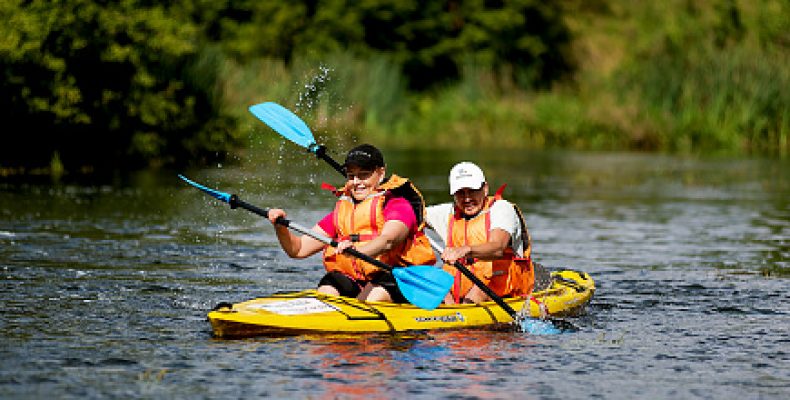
{"x": 343, "y": 245}
{"x": 274, "y": 214}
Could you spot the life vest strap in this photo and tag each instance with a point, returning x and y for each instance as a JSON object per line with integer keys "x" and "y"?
{"x": 333, "y": 189}
{"x": 356, "y": 237}
{"x": 498, "y": 193}
{"x": 527, "y": 259}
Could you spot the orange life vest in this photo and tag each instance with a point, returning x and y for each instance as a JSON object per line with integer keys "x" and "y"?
{"x": 511, "y": 275}
{"x": 362, "y": 222}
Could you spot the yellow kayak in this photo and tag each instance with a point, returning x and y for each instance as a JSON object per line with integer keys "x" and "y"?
{"x": 312, "y": 312}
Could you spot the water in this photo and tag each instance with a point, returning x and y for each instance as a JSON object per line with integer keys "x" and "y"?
{"x": 105, "y": 288}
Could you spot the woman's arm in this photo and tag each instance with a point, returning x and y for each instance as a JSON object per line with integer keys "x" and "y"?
{"x": 392, "y": 234}
{"x": 400, "y": 221}
{"x": 295, "y": 246}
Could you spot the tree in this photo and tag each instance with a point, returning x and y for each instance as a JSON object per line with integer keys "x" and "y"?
{"x": 108, "y": 82}
{"x": 430, "y": 40}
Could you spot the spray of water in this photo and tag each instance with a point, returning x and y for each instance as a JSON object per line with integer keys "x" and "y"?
{"x": 314, "y": 89}
{"x": 534, "y": 326}
{"x": 538, "y": 326}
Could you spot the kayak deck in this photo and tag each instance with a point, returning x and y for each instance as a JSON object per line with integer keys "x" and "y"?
{"x": 312, "y": 312}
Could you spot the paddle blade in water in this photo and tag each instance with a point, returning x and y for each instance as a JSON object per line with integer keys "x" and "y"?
{"x": 424, "y": 286}
{"x": 286, "y": 123}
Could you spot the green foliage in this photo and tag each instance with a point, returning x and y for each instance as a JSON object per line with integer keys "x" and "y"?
{"x": 107, "y": 84}
{"x": 136, "y": 82}
{"x": 428, "y": 40}
{"x": 675, "y": 76}
{"x": 142, "y": 83}
{"x": 715, "y": 79}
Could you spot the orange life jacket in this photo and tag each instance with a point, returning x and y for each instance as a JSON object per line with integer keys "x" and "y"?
{"x": 511, "y": 275}
{"x": 362, "y": 222}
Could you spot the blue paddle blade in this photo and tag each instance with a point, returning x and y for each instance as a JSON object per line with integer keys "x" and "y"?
{"x": 211, "y": 192}
{"x": 286, "y": 123}
{"x": 425, "y": 286}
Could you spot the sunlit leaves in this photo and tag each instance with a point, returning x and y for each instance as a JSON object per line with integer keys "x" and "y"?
{"x": 110, "y": 74}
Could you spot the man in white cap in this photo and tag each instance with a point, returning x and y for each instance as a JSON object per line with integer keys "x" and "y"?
{"x": 487, "y": 234}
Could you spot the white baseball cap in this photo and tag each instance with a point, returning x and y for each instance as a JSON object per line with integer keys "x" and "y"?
{"x": 466, "y": 175}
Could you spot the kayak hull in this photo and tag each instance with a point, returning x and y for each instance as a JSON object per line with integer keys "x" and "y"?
{"x": 310, "y": 312}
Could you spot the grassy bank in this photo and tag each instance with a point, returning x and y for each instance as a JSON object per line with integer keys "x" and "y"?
{"x": 676, "y": 76}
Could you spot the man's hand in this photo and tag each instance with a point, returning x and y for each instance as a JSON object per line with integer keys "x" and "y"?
{"x": 452, "y": 254}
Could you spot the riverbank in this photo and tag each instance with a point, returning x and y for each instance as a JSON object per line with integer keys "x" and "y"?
{"x": 702, "y": 77}
{"x": 691, "y": 79}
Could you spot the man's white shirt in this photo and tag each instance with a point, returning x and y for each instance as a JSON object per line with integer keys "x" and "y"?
{"x": 503, "y": 216}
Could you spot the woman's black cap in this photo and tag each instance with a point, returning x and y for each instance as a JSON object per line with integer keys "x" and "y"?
{"x": 365, "y": 156}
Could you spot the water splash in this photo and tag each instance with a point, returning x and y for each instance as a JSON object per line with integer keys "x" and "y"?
{"x": 280, "y": 154}
{"x": 544, "y": 326}
{"x": 535, "y": 326}
{"x": 314, "y": 89}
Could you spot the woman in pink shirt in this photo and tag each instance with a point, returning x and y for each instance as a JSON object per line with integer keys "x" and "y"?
{"x": 378, "y": 216}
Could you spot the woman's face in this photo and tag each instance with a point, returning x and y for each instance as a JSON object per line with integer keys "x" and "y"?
{"x": 363, "y": 182}
{"x": 470, "y": 201}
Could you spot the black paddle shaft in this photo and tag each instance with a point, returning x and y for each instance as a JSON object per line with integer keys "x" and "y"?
{"x": 235, "y": 202}
{"x": 320, "y": 152}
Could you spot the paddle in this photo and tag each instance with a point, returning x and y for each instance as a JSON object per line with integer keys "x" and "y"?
{"x": 422, "y": 285}
{"x": 291, "y": 127}
{"x": 530, "y": 325}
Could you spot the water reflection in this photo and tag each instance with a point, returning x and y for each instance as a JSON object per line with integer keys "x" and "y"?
{"x": 417, "y": 364}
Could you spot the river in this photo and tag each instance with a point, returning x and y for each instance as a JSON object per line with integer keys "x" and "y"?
{"x": 106, "y": 285}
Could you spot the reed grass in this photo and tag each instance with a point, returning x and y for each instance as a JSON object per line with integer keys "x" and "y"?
{"x": 680, "y": 85}
{"x": 734, "y": 99}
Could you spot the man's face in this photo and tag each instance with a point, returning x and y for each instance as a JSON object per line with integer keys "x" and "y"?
{"x": 471, "y": 201}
